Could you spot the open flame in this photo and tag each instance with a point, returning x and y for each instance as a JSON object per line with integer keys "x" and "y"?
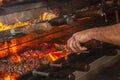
{"x": 51, "y": 51}
{"x": 9, "y": 76}
{"x": 42, "y": 17}
{"x": 44, "y": 51}
{"x": 18, "y": 24}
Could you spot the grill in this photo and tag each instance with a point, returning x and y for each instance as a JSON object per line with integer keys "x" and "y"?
{"x": 33, "y": 37}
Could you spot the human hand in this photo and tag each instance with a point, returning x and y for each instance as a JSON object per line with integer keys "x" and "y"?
{"x": 1, "y": 2}
{"x": 74, "y": 43}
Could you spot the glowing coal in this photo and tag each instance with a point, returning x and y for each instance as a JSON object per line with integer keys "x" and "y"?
{"x": 30, "y": 58}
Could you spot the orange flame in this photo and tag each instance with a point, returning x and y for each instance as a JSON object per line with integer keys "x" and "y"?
{"x": 18, "y": 24}
{"x": 9, "y": 76}
{"x": 52, "y": 55}
{"x": 15, "y": 59}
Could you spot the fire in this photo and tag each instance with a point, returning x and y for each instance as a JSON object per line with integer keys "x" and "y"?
{"x": 52, "y": 57}
{"x": 50, "y": 51}
{"x": 54, "y": 54}
{"x": 43, "y": 17}
{"x": 44, "y": 52}
{"x": 15, "y": 59}
{"x": 9, "y": 76}
{"x": 18, "y": 24}
{"x": 6, "y": 27}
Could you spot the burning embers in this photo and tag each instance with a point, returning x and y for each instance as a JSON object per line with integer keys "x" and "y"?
{"x": 8, "y": 76}
{"x": 30, "y": 58}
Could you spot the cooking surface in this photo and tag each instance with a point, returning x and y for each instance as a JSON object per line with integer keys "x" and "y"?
{"x": 84, "y": 24}
{"x": 24, "y": 55}
{"x": 96, "y": 59}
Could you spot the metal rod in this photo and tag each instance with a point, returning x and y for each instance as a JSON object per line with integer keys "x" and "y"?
{"x": 35, "y": 73}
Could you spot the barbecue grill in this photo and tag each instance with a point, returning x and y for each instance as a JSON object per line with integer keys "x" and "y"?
{"x": 34, "y": 33}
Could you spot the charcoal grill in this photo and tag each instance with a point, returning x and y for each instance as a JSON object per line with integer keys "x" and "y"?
{"x": 21, "y": 47}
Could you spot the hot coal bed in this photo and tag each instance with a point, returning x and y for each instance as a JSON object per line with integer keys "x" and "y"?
{"x": 34, "y": 33}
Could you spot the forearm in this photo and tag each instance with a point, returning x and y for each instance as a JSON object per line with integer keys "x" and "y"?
{"x": 109, "y": 34}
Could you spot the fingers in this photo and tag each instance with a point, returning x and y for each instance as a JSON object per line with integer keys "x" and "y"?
{"x": 80, "y": 48}
{"x": 74, "y": 46}
{"x": 70, "y": 46}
